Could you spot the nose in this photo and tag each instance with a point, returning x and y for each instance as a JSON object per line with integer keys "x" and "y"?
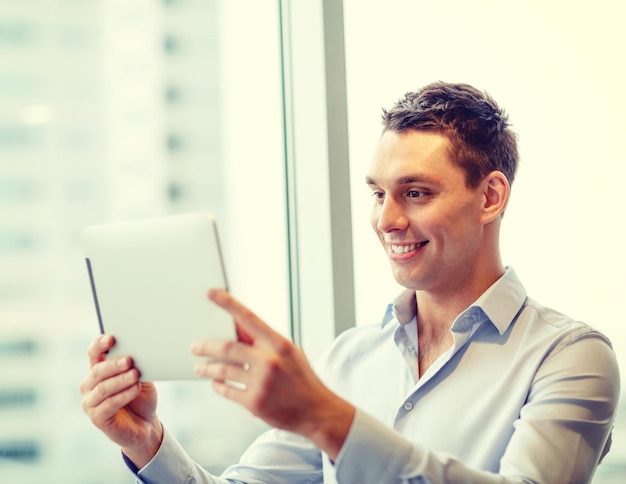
{"x": 389, "y": 216}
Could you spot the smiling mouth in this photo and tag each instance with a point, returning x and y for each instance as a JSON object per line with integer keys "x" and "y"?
{"x": 403, "y": 249}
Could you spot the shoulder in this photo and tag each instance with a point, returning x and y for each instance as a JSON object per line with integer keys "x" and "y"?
{"x": 566, "y": 330}
{"x": 571, "y": 346}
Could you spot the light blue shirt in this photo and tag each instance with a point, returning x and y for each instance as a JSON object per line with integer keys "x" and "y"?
{"x": 525, "y": 394}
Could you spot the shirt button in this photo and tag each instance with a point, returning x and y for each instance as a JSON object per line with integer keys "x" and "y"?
{"x": 408, "y": 406}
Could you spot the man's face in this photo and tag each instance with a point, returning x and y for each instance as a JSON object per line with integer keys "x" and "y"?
{"x": 427, "y": 219}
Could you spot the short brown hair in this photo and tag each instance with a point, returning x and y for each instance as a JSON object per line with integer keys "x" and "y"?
{"x": 477, "y": 128}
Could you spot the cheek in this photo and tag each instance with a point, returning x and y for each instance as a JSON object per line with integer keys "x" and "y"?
{"x": 460, "y": 231}
{"x": 444, "y": 227}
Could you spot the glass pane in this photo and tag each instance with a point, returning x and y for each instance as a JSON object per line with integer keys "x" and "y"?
{"x": 559, "y": 78}
{"x": 116, "y": 110}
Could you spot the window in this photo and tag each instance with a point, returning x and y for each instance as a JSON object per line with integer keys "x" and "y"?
{"x": 117, "y": 110}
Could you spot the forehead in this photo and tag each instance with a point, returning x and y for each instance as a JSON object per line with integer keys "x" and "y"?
{"x": 413, "y": 154}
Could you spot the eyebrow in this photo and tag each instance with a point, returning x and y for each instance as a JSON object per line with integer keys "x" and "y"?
{"x": 406, "y": 180}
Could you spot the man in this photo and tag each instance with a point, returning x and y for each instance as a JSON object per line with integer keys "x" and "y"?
{"x": 466, "y": 380}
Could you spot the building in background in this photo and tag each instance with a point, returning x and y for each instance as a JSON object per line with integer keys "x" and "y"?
{"x": 109, "y": 110}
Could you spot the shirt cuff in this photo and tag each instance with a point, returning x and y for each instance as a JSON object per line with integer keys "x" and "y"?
{"x": 372, "y": 453}
{"x": 170, "y": 463}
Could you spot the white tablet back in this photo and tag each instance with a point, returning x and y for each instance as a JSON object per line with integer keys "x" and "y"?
{"x": 150, "y": 281}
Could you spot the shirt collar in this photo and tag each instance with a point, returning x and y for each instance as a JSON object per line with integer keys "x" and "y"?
{"x": 403, "y": 309}
{"x": 503, "y": 300}
{"x": 500, "y": 303}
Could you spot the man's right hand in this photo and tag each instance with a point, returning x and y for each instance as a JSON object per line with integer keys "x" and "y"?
{"x": 120, "y": 405}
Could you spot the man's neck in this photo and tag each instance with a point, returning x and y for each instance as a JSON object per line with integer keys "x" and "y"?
{"x": 439, "y": 309}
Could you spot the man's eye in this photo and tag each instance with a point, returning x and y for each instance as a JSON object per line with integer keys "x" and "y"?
{"x": 415, "y": 194}
{"x": 378, "y": 195}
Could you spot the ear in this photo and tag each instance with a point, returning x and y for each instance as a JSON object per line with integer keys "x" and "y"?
{"x": 496, "y": 190}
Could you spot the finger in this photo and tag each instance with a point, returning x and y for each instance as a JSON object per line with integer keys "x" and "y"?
{"x": 228, "y": 351}
{"x": 231, "y": 389}
{"x": 249, "y": 324}
{"x": 104, "y": 370}
{"x": 109, "y": 387}
{"x": 104, "y": 411}
{"x": 98, "y": 348}
{"x": 223, "y": 371}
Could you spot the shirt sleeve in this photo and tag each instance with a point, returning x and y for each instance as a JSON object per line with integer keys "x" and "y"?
{"x": 172, "y": 465}
{"x": 564, "y": 429}
{"x": 561, "y": 435}
{"x": 276, "y": 456}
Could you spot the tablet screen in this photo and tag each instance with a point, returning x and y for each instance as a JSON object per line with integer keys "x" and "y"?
{"x": 150, "y": 280}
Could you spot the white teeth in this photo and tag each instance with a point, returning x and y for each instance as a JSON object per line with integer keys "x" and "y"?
{"x": 402, "y": 249}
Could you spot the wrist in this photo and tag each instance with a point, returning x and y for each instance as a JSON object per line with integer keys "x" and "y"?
{"x": 329, "y": 430}
{"x": 139, "y": 456}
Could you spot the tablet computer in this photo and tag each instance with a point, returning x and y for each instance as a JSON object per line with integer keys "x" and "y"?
{"x": 150, "y": 280}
